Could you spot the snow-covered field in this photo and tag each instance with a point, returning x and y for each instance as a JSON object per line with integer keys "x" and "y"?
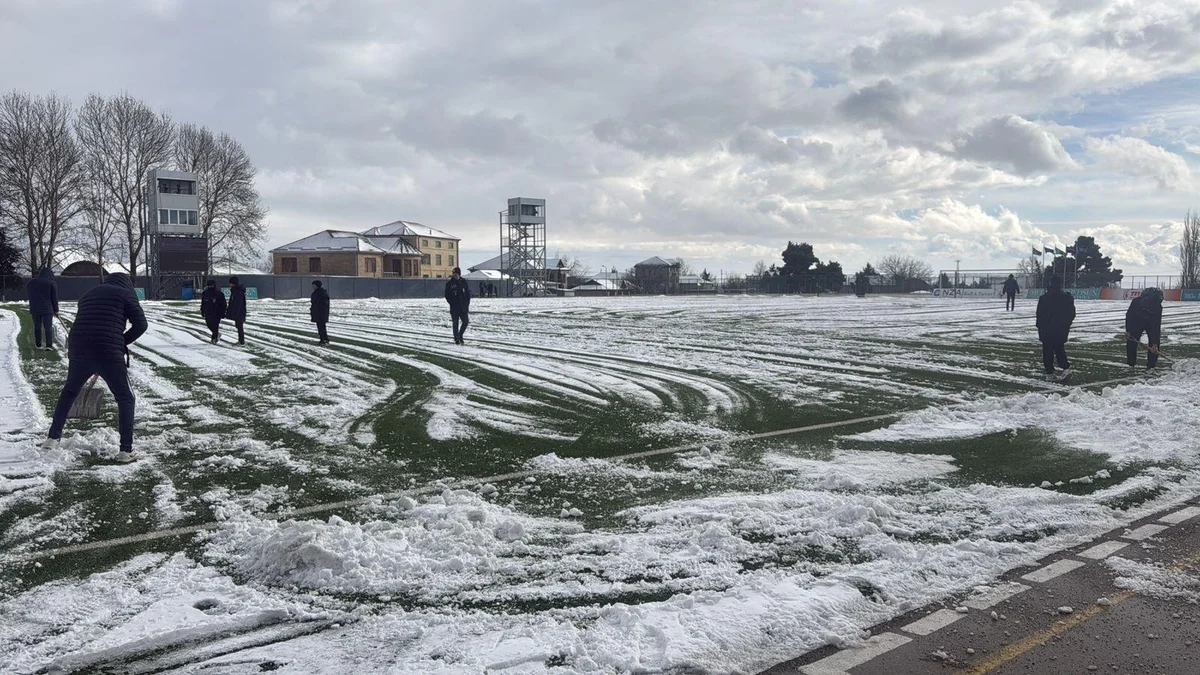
{"x": 723, "y": 555}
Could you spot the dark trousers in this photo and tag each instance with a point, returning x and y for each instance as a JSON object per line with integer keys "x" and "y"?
{"x": 457, "y": 316}
{"x": 1131, "y": 348}
{"x": 214, "y": 327}
{"x": 116, "y": 376}
{"x": 1011, "y": 303}
{"x": 43, "y": 323}
{"x": 241, "y": 329}
{"x": 1052, "y": 351}
{"x": 321, "y": 332}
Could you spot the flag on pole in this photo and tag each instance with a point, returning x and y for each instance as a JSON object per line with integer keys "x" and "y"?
{"x": 1058, "y": 251}
{"x": 1036, "y": 253}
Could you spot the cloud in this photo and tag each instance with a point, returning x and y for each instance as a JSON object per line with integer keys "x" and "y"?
{"x": 1135, "y": 157}
{"x": 1015, "y": 142}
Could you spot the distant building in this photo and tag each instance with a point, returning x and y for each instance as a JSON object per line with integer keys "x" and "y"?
{"x": 348, "y": 254}
{"x": 439, "y": 251}
{"x": 656, "y": 276}
{"x": 597, "y": 287}
{"x": 556, "y": 269}
{"x": 694, "y": 283}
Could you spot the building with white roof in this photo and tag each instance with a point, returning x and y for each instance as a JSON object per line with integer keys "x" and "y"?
{"x": 348, "y": 254}
{"x": 438, "y": 249}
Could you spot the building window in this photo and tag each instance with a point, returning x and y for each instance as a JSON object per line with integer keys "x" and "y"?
{"x": 451, "y": 259}
{"x": 438, "y": 243}
{"x": 439, "y": 259}
{"x": 408, "y": 268}
{"x": 425, "y": 259}
{"x": 288, "y": 265}
{"x": 314, "y": 265}
{"x": 449, "y": 244}
{"x": 371, "y": 266}
{"x": 425, "y": 242}
{"x": 162, "y": 217}
{"x": 174, "y": 217}
{"x": 168, "y": 186}
{"x": 191, "y": 217}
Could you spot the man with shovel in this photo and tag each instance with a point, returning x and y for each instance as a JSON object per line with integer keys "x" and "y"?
{"x": 98, "y": 346}
{"x": 1144, "y": 316}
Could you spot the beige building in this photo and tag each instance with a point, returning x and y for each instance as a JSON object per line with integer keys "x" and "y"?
{"x": 439, "y": 251}
{"x": 337, "y": 253}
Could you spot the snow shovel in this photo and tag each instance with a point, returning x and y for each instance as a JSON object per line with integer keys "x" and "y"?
{"x": 1127, "y": 337}
{"x": 87, "y": 405}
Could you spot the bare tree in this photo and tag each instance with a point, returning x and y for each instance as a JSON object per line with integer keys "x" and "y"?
{"x": 1033, "y": 270}
{"x": 123, "y": 139}
{"x": 760, "y": 268}
{"x": 1189, "y": 251}
{"x": 902, "y": 268}
{"x": 40, "y": 173}
{"x": 575, "y": 266}
{"x": 685, "y": 268}
{"x": 99, "y": 227}
{"x": 231, "y": 215}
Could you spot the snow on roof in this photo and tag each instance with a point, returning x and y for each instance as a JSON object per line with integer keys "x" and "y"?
{"x": 486, "y": 275}
{"x": 394, "y": 245}
{"x": 331, "y": 240}
{"x": 599, "y": 284}
{"x": 655, "y": 262}
{"x": 500, "y": 262}
{"x": 407, "y": 229}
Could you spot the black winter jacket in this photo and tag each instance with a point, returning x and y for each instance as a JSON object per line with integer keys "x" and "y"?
{"x": 1055, "y": 314}
{"x": 458, "y": 294}
{"x": 1144, "y": 315}
{"x": 237, "y": 303}
{"x": 318, "y": 311}
{"x": 1011, "y": 287}
{"x": 212, "y": 304}
{"x": 43, "y": 294}
{"x": 99, "y": 330}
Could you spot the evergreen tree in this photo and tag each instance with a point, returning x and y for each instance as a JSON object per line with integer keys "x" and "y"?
{"x": 9, "y": 257}
{"x": 798, "y": 259}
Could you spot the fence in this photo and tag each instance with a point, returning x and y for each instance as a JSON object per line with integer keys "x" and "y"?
{"x": 279, "y": 287}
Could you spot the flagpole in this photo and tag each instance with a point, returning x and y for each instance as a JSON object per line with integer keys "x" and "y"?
{"x": 1042, "y": 272}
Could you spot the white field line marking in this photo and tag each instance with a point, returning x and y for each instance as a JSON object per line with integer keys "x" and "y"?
{"x": 1103, "y": 550}
{"x": 995, "y": 595}
{"x": 1181, "y": 515}
{"x": 1053, "y": 571}
{"x": 839, "y": 663}
{"x": 1144, "y": 532}
{"x": 438, "y": 487}
{"x": 934, "y": 622}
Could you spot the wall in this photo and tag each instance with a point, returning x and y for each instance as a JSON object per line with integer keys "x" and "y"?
{"x": 337, "y": 264}
{"x": 429, "y": 246}
{"x": 968, "y": 293}
{"x": 1191, "y": 295}
{"x": 1079, "y": 293}
{"x": 1169, "y": 294}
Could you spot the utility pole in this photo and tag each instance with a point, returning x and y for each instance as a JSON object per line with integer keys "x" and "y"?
{"x": 956, "y": 267}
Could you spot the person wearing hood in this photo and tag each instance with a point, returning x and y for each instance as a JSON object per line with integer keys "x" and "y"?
{"x": 1144, "y": 316}
{"x": 1011, "y": 288}
{"x": 237, "y": 308}
{"x": 318, "y": 311}
{"x": 43, "y": 305}
{"x": 458, "y": 296}
{"x": 99, "y": 345}
{"x": 1055, "y": 314}
{"x": 212, "y": 308}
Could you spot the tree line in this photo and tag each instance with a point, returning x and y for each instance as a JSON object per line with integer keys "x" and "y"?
{"x": 73, "y": 181}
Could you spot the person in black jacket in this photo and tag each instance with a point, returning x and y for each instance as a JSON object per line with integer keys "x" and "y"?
{"x": 43, "y": 305}
{"x": 1055, "y": 314}
{"x": 1011, "y": 288}
{"x": 212, "y": 308}
{"x": 318, "y": 311}
{"x": 99, "y": 345}
{"x": 237, "y": 308}
{"x": 1144, "y": 316}
{"x": 458, "y": 295}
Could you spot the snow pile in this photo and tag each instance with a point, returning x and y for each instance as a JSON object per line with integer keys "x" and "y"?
{"x": 1154, "y": 580}
{"x": 859, "y": 470}
{"x": 1153, "y": 421}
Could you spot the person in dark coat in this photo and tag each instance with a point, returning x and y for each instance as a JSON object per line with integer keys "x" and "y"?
{"x": 318, "y": 311}
{"x": 458, "y": 295}
{"x": 43, "y": 305}
{"x": 237, "y": 308}
{"x": 212, "y": 308}
{"x": 1055, "y": 314}
{"x": 1144, "y": 316}
{"x": 99, "y": 345}
{"x": 1011, "y": 288}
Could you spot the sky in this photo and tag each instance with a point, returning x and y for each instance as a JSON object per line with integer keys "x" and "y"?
{"x": 713, "y": 131}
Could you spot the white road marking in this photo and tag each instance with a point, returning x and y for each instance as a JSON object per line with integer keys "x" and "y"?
{"x": 1180, "y": 515}
{"x": 995, "y": 595}
{"x": 934, "y": 622}
{"x": 1103, "y": 550}
{"x": 1053, "y": 571}
{"x": 1144, "y": 532}
{"x": 839, "y": 663}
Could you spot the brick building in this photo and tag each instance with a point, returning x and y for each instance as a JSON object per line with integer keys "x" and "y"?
{"x": 348, "y": 254}
{"x": 439, "y": 251}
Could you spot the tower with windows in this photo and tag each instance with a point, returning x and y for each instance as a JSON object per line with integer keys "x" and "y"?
{"x": 177, "y": 250}
{"x": 523, "y": 245}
